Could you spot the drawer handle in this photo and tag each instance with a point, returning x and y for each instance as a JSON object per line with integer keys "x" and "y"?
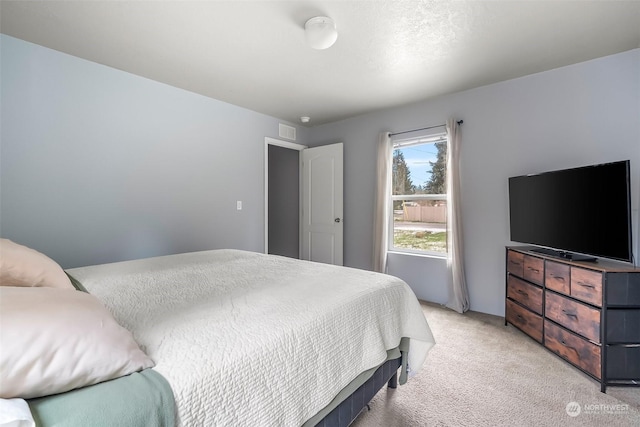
{"x": 569, "y": 314}
{"x": 523, "y": 293}
{"x": 561, "y": 278}
{"x": 533, "y": 269}
{"x": 586, "y": 285}
{"x": 567, "y": 346}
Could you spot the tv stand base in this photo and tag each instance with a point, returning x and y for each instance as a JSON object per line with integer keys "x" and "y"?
{"x": 565, "y": 255}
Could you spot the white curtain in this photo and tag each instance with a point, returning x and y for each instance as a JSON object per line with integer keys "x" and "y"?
{"x": 458, "y": 293}
{"x": 382, "y": 205}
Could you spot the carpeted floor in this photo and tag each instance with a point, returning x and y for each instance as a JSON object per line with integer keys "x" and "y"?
{"x": 481, "y": 373}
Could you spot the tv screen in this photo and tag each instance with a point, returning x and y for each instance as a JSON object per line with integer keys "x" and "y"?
{"x": 586, "y": 210}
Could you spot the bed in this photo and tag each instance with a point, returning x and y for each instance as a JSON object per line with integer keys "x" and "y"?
{"x": 241, "y": 338}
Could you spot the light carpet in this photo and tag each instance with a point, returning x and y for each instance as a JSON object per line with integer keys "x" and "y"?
{"x": 483, "y": 373}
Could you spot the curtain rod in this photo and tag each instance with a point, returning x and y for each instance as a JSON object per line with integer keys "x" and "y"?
{"x": 415, "y": 130}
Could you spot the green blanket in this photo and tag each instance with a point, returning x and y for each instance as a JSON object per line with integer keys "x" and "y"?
{"x": 140, "y": 399}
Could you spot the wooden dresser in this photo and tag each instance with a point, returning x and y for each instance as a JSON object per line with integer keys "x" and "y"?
{"x": 588, "y": 313}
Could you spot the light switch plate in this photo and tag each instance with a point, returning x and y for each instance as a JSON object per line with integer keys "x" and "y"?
{"x": 239, "y": 205}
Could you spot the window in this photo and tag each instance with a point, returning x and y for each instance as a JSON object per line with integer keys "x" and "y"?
{"x": 419, "y": 195}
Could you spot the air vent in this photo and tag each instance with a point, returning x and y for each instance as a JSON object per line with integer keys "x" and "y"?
{"x": 287, "y": 132}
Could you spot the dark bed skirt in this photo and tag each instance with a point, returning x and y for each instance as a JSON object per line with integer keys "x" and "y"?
{"x": 348, "y": 410}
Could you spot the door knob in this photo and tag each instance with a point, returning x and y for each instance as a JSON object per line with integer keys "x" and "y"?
{"x": 337, "y": 220}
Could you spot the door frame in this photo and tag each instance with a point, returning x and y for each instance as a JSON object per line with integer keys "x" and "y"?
{"x": 285, "y": 144}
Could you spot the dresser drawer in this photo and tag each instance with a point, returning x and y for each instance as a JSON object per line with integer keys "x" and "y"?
{"x": 573, "y": 348}
{"x": 557, "y": 277}
{"x": 525, "y": 320}
{"x": 515, "y": 263}
{"x": 586, "y": 285}
{"x": 623, "y": 289}
{"x": 534, "y": 269}
{"x": 623, "y": 327}
{"x": 623, "y": 362}
{"x": 580, "y": 318}
{"x": 525, "y": 293}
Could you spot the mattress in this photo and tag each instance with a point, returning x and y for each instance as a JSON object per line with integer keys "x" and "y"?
{"x": 252, "y": 339}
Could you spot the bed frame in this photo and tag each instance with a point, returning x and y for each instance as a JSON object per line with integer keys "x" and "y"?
{"x": 350, "y": 408}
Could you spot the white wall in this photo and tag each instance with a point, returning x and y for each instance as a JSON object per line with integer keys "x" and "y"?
{"x": 577, "y": 115}
{"x": 98, "y": 165}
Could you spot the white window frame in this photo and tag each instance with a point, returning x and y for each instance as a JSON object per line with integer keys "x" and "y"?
{"x": 431, "y": 139}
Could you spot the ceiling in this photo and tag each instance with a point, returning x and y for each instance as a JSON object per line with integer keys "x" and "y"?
{"x": 388, "y": 53}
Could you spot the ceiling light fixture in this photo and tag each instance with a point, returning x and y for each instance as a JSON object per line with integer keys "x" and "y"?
{"x": 321, "y": 32}
{"x": 304, "y": 119}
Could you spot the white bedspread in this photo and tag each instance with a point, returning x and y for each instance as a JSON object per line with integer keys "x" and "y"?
{"x": 247, "y": 339}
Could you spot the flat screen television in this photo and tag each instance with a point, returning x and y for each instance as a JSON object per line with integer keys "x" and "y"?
{"x": 581, "y": 213}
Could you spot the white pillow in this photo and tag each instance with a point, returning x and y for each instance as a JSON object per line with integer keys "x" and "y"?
{"x": 53, "y": 340}
{"x": 23, "y": 266}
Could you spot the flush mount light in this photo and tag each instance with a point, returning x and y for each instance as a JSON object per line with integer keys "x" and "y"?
{"x": 321, "y": 32}
{"x": 305, "y": 119}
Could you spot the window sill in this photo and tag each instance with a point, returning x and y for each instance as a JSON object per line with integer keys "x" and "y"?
{"x": 418, "y": 254}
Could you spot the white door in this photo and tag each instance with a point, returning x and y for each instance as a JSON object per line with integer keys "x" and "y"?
{"x": 322, "y": 216}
